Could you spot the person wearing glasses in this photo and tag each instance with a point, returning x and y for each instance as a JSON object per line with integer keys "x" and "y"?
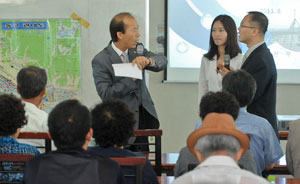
{"x": 259, "y": 62}
{"x": 223, "y": 40}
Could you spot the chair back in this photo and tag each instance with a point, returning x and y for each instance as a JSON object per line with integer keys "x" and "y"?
{"x": 12, "y": 167}
{"x": 137, "y": 162}
{"x": 154, "y": 155}
{"x": 38, "y": 135}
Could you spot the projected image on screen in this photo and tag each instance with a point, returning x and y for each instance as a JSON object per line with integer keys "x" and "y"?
{"x": 189, "y": 23}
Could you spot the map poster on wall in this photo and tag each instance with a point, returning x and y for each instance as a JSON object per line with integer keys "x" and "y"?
{"x": 52, "y": 44}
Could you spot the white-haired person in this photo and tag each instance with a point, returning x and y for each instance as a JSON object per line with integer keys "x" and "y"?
{"x": 218, "y": 145}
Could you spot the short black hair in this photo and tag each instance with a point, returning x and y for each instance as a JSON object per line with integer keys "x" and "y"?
{"x": 260, "y": 19}
{"x": 113, "y": 123}
{"x": 232, "y": 47}
{"x": 117, "y": 25}
{"x": 31, "y": 81}
{"x": 69, "y": 122}
{"x": 12, "y": 115}
{"x": 240, "y": 84}
{"x": 220, "y": 102}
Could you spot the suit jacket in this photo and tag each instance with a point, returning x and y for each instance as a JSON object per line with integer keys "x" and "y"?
{"x": 134, "y": 93}
{"x": 293, "y": 149}
{"x": 260, "y": 64}
{"x": 72, "y": 166}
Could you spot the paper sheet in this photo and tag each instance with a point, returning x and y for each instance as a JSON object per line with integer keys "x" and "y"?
{"x": 127, "y": 70}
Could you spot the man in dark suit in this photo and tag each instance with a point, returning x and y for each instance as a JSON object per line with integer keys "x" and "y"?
{"x": 122, "y": 49}
{"x": 259, "y": 62}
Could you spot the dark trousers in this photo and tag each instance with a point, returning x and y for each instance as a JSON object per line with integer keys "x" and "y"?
{"x": 146, "y": 121}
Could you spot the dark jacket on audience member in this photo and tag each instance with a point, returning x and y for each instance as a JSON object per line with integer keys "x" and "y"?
{"x": 74, "y": 167}
{"x": 149, "y": 174}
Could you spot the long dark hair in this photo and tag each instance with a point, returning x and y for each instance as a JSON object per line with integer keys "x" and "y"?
{"x": 232, "y": 48}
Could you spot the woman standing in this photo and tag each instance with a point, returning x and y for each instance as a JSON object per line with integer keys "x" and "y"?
{"x": 223, "y": 40}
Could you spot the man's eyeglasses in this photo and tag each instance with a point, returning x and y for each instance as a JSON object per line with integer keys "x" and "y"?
{"x": 247, "y": 26}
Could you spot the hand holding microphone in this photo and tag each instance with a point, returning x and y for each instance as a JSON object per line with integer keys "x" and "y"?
{"x": 227, "y": 61}
{"x": 225, "y": 68}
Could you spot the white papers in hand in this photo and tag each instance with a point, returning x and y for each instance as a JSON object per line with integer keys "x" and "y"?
{"x": 127, "y": 70}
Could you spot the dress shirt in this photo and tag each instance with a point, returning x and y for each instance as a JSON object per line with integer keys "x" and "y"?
{"x": 250, "y": 50}
{"x": 263, "y": 140}
{"x": 219, "y": 170}
{"x": 36, "y": 122}
{"x": 123, "y": 55}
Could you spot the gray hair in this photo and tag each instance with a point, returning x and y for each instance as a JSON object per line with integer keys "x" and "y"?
{"x": 217, "y": 142}
{"x": 31, "y": 81}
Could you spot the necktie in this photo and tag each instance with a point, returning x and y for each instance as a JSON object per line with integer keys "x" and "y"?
{"x": 124, "y": 57}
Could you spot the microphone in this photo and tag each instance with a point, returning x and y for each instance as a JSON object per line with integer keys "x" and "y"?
{"x": 227, "y": 61}
{"x": 140, "y": 49}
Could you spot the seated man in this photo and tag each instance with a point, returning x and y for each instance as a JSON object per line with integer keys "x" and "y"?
{"x": 293, "y": 149}
{"x": 12, "y": 119}
{"x": 70, "y": 128}
{"x": 263, "y": 142}
{"x": 218, "y": 145}
{"x": 113, "y": 125}
{"x": 220, "y": 102}
{"x": 31, "y": 85}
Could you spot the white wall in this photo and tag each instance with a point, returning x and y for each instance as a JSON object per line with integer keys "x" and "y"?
{"x": 176, "y": 103}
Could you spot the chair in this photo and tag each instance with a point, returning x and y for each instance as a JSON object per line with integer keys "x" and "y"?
{"x": 38, "y": 135}
{"x": 138, "y": 162}
{"x": 12, "y": 167}
{"x": 157, "y": 147}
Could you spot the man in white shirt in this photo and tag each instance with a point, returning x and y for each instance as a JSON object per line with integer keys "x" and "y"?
{"x": 218, "y": 145}
{"x": 31, "y": 85}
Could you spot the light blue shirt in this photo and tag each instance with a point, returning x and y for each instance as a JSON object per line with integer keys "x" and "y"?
{"x": 263, "y": 142}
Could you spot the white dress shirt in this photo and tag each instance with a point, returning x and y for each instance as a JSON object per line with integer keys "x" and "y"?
{"x": 209, "y": 79}
{"x": 219, "y": 170}
{"x": 36, "y": 122}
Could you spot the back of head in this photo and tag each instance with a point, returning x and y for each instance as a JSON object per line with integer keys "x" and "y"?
{"x": 220, "y": 102}
{"x": 117, "y": 25}
{"x": 240, "y": 84}
{"x": 259, "y": 19}
{"x": 113, "y": 123}
{"x": 12, "y": 115}
{"x": 69, "y": 123}
{"x": 218, "y": 135}
{"x": 31, "y": 81}
{"x": 212, "y": 143}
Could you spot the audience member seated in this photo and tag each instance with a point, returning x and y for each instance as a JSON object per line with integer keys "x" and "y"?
{"x": 70, "y": 128}
{"x": 293, "y": 149}
{"x": 218, "y": 145}
{"x": 12, "y": 119}
{"x": 264, "y": 143}
{"x": 31, "y": 85}
{"x": 113, "y": 125}
{"x": 220, "y": 102}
